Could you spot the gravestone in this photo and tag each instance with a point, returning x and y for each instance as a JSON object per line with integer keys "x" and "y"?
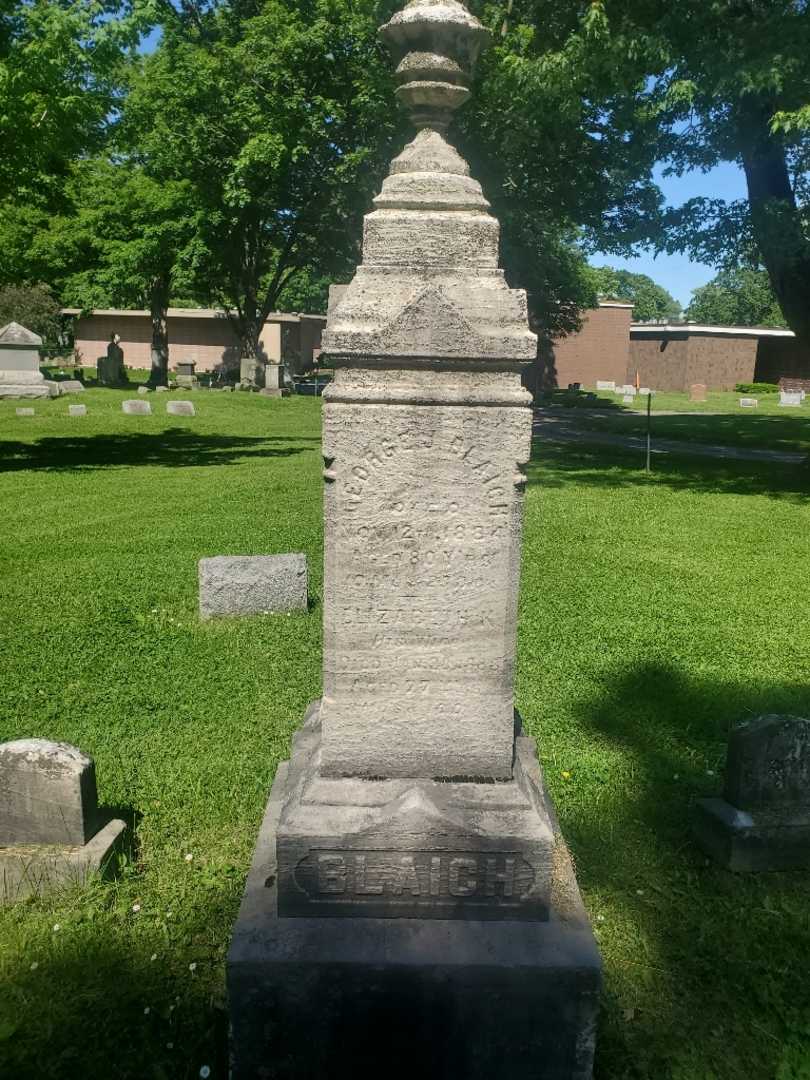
{"x": 603, "y": 384}
{"x": 644, "y": 391}
{"x": 763, "y": 821}
{"x": 161, "y": 389}
{"x": 250, "y": 373}
{"x": 52, "y": 832}
{"x": 628, "y": 399}
{"x": 71, "y": 386}
{"x": 180, "y": 408}
{"x": 697, "y": 392}
{"x": 790, "y": 399}
{"x": 252, "y": 584}
{"x": 749, "y": 402}
{"x": 20, "y": 376}
{"x": 409, "y": 870}
{"x": 24, "y": 411}
{"x": 77, "y": 410}
{"x": 110, "y": 368}
{"x": 143, "y": 390}
{"x": 185, "y": 374}
{"x": 272, "y": 380}
{"x": 136, "y": 407}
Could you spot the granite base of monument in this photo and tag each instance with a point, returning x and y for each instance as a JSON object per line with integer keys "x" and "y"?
{"x": 752, "y": 842}
{"x": 427, "y": 997}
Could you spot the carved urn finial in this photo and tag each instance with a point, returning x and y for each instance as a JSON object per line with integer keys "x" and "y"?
{"x": 435, "y": 44}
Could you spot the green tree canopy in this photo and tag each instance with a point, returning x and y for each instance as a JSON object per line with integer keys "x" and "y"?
{"x": 736, "y": 298}
{"x": 650, "y": 301}
{"x": 32, "y": 306}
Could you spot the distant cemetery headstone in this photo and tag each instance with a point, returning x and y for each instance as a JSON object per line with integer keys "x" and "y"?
{"x": 272, "y": 380}
{"x": 110, "y": 368}
{"x": 644, "y": 391}
{"x": 52, "y": 832}
{"x": 697, "y": 392}
{"x": 763, "y": 822}
{"x": 136, "y": 407}
{"x": 77, "y": 410}
{"x": 791, "y": 399}
{"x": 252, "y": 584}
{"x": 749, "y": 402}
{"x": 71, "y": 386}
{"x": 20, "y": 376}
{"x": 180, "y": 408}
{"x": 143, "y": 390}
{"x": 24, "y": 412}
{"x": 184, "y": 374}
{"x": 628, "y": 399}
{"x": 604, "y": 384}
{"x": 161, "y": 389}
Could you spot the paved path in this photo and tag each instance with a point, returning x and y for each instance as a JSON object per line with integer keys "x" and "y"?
{"x": 550, "y": 425}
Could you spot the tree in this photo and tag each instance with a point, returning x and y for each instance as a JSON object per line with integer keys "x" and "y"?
{"x": 736, "y": 298}
{"x": 32, "y": 306}
{"x": 126, "y": 241}
{"x": 279, "y": 113}
{"x": 651, "y": 302}
{"x": 700, "y": 84}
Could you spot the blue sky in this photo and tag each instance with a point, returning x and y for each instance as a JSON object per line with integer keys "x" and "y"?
{"x": 677, "y": 273}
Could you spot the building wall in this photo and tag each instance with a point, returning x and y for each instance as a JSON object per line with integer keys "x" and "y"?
{"x": 600, "y": 350}
{"x": 780, "y": 358}
{"x": 209, "y": 341}
{"x": 661, "y": 362}
{"x": 721, "y": 362}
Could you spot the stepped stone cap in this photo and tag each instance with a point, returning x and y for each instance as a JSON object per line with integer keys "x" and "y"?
{"x": 14, "y": 334}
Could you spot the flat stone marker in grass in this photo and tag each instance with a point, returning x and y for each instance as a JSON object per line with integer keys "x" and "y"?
{"x": 252, "y": 584}
{"x": 180, "y": 408}
{"x": 77, "y": 410}
{"x": 763, "y": 822}
{"x": 143, "y": 390}
{"x": 412, "y": 909}
{"x": 749, "y": 402}
{"x": 605, "y": 384}
{"x": 24, "y": 411}
{"x": 71, "y": 386}
{"x": 697, "y": 392}
{"x": 135, "y": 407}
{"x": 52, "y": 833}
{"x": 628, "y": 399}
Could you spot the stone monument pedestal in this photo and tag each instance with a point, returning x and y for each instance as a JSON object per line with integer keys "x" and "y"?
{"x": 440, "y": 999}
{"x": 20, "y": 376}
{"x": 272, "y": 381}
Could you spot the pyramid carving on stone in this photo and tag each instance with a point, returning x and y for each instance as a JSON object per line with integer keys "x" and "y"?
{"x": 14, "y": 334}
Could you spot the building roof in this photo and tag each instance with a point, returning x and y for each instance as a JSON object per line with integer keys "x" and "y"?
{"x": 656, "y": 329}
{"x": 187, "y": 313}
{"x": 616, "y": 303}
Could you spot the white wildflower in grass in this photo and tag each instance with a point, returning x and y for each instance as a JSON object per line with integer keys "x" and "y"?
{"x": 205, "y": 1072}
{"x": 192, "y": 966}
{"x": 188, "y": 857}
{"x": 34, "y": 966}
{"x": 56, "y": 928}
{"x": 153, "y": 956}
{"x": 170, "y": 1046}
{"x": 639, "y": 892}
{"x": 136, "y": 908}
{"x": 146, "y": 1011}
{"x": 710, "y": 772}
{"x": 600, "y": 918}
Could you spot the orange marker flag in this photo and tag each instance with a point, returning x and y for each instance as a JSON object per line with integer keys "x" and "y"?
{"x": 638, "y": 381}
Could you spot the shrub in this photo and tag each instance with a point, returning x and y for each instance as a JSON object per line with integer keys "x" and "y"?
{"x": 756, "y": 388}
{"x": 34, "y": 307}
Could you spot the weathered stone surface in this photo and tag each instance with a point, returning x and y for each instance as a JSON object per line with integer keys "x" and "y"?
{"x": 26, "y": 870}
{"x": 47, "y": 794}
{"x": 143, "y": 390}
{"x": 20, "y": 376}
{"x": 423, "y": 519}
{"x": 605, "y": 384}
{"x": 748, "y": 403}
{"x": 426, "y": 997}
{"x": 697, "y": 392}
{"x": 71, "y": 386}
{"x": 24, "y": 412}
{"x": 135, "y": 407}
{"x": 252, "y": 584}
{"x": 187, "y": 382}
{"x": 769, "y": 763}
{"x": 180, "y": 408}
{"x": 77, "y": 410}
{"x": 763, "y": 823}
{"x": 272, "y": 380}
{"x": 412, "y": 848}
{"x": 161, "y": 389}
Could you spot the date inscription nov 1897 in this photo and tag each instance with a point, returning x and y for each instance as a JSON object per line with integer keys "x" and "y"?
{"x": 439, "y": 878}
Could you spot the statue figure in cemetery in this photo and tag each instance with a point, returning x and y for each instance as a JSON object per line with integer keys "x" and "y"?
{"x": 111, "y": 367}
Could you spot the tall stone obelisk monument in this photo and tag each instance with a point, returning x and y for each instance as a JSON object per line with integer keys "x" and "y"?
{"x": 410, "y": 894}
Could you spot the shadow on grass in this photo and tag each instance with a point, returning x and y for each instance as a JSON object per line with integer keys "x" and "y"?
{"x": 595, "y": 465}
{"x": 176, "y": 447}
{"x": 705, "y": 970}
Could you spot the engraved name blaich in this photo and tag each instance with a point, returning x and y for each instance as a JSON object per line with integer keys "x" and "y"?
{"x": 444, "y": 877}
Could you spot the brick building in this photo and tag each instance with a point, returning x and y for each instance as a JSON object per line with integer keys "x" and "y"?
{"x": 200, "y": 334}
{"x": 601, "y": 350}
{"x": 675, "y": 356}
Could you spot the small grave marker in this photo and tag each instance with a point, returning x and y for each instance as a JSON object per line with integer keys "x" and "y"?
{"x": 77, "y": 410}
{"x": 24, "y": 412}
{"x": 763, "y": 822}
{"x": 252, "y": 584}
{"x": 134, "y": 407}
{"x": 790, "y": 399}
{"x": 71, "y": 386}
{"x": 697, "y": 392}
{"x": 180, "y": 408}
{"x": 604, "y": 384}
{"x": 749, "y": 402}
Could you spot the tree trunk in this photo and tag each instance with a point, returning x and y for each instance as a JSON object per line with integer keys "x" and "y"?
{"x": 781, "y": 239}
{"x": 158, "y": 311}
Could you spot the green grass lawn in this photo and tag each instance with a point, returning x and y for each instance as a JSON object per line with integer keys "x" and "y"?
{"x": 718, "y": 420}
{"x": 655, "y": 613}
